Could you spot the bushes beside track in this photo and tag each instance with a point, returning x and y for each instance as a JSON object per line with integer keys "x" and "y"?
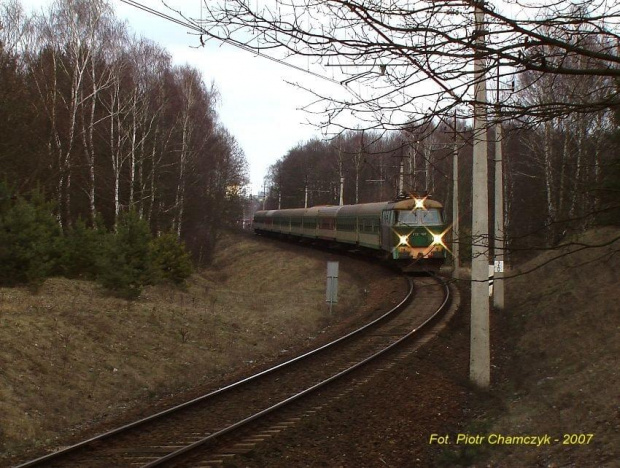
{"x": 33, "y": 247}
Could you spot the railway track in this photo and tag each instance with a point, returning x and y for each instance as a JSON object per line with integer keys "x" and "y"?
{"x": 170, "y": 436}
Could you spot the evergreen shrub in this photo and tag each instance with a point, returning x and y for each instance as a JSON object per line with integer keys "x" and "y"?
{"x": 29, "y": 239}
{"x": 82, "y": 249}
{"x": 32, "y": 247}
{"x": 125, "y": 266}
{"x": 169, "y": 259}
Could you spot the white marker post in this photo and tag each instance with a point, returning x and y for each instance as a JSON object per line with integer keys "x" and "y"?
{"x": 332, "y": 284}
{"x": 497, "y": 267}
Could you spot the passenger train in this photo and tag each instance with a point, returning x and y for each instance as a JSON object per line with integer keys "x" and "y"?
{"x": 408, "y": 231}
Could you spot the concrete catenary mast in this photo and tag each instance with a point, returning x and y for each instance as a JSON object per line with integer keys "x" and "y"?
{"x": 480, "y": 359}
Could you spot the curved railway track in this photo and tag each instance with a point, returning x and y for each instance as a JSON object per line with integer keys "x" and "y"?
{"x": 173, "y": 434}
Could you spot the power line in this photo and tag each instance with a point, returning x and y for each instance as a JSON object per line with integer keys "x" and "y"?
{"x": 239, "y": 45}
{"x": 162, "y": 15}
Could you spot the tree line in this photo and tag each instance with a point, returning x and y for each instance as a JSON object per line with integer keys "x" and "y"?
{"x": 103, "y": 124}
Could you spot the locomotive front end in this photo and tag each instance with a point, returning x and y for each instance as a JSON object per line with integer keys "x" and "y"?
{"x": 417, "y": 231}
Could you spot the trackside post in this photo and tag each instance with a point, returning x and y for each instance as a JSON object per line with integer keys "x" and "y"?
{"x": 332, "y": 284}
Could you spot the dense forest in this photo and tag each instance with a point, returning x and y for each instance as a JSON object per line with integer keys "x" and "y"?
{"x": 101, "y": 123}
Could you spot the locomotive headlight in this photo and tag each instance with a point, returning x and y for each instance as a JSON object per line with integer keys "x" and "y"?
{"x": 438, "y": 239}
{"x": 403, "y": 240}
{"x": 419, "y": 203}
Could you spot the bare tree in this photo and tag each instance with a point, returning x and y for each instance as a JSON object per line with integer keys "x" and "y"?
{"x": 150, "y": 63}
{"x": 102, "y": 28}
{"x": 70, "y": 39}
{"x": 16, "y": 28}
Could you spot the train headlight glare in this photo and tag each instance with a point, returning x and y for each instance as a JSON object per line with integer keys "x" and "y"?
{"x": 419, "y": 203}
{"x": 437, "y": 239}
{"x": 403, "y": 240}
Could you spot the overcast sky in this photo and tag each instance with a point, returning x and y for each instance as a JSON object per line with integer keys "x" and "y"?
{"x": 256, "y": 105}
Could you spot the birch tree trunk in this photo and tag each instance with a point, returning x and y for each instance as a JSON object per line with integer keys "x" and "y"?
{"x": 548, "y": 171}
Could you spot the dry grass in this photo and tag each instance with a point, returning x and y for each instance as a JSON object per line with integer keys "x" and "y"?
{"x": 71, "y": 355}
{"x": 565, "y": 372}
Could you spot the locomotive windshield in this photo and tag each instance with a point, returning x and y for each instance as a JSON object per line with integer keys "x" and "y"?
{"x": 419, "y": 217}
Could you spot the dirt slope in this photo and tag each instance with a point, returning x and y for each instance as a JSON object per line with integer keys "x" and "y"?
{"x": 558, "y": 374}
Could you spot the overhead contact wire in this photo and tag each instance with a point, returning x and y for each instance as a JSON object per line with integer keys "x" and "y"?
{"x": 200, "y": 30}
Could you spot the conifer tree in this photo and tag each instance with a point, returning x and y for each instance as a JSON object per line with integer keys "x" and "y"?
{"x": 125, "y": 267}
{"x": 29, "y": 237}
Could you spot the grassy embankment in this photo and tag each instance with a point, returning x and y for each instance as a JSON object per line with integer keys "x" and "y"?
{"x": 72, "y": 356}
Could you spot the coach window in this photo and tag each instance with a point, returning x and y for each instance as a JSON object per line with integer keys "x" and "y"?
{"x": 326, "y": 223}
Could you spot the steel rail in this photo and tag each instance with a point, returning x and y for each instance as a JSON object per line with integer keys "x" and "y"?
{"x": 83, "y": 444}
{"x": 178, "y": 453}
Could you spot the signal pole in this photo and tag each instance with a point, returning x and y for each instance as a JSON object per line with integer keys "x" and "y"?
{"x": 341, "y": 174}
{"x": 480, "y": 353}
{"x": 455, "y": 205}
{"x": 499, "y": 241}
